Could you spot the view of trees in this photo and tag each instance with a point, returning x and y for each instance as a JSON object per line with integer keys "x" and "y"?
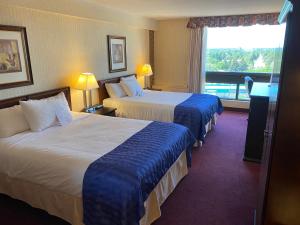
{"x": 260, "y": 60}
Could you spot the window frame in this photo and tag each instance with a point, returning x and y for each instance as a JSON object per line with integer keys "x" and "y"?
{"x": 236, "y": 78}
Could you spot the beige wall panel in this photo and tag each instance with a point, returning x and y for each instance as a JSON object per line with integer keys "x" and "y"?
{"x": 61, "y": 47}
{"x": 172, "y": 40}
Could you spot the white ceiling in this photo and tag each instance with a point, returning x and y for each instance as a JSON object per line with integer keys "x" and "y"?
{"x": 165, "y": 9}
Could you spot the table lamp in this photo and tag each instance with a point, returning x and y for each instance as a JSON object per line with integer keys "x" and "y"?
{"x": 147, "y": 72}
{"x": 87, "y": 82}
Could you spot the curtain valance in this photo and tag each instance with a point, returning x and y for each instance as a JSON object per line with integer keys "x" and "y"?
{"x": 237, "y": 20}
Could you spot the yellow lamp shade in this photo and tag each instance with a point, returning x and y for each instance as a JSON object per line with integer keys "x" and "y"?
{"x": 147, "y": 70}
{"x": 86, "y": 81}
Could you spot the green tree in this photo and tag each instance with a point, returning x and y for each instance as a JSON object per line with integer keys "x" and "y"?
{"x": 241, "y": 60}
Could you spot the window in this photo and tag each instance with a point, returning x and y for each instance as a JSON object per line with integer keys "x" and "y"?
{"x": 235, "y": 52}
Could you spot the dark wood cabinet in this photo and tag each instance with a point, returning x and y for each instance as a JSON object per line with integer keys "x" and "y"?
{"x": 257, "y": 120}
{"x": 279, "y": 193}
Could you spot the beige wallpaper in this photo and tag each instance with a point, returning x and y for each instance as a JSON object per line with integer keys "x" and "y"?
{"x": 92, "y": 9}
{"x": 172, "y": 40}
{"x": 61, "y": 47}
{"x": 172, "y": 46}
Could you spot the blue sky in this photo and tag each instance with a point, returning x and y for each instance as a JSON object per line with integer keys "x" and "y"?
{"x": 258, "y": 36}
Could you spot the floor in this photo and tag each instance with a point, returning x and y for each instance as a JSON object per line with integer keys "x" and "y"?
{"x": 221, "y": 189}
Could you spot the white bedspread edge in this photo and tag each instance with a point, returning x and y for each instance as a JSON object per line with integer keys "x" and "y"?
{"x": 69, "y": 207}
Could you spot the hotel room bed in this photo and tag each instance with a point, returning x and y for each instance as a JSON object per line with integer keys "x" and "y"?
{"x": 198, "y": 112}
{"x": 123, "y": 167}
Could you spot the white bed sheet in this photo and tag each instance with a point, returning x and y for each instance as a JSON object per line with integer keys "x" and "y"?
{"x": 153, "y": 105}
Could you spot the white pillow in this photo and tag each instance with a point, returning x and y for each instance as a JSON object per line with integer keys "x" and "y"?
{"x": 63, "y": 111}
{"x": 132, "y": 88}
{"x": 44, "y": 113}
{"x": 12, "y": 121}
{"x": 115, "y": 90}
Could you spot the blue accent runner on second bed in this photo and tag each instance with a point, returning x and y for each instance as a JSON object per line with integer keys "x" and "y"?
{"x": 195, "y": 112}
{"x": 116, "y": 185}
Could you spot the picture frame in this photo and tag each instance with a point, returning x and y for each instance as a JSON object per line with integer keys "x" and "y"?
{"x": 15, "y": 65}
{"x": 117, "y": 56}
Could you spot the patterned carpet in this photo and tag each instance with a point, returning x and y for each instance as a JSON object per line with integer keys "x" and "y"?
{"x": 221, "y": 189}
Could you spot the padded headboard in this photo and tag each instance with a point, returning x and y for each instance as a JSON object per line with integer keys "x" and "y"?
{"x": 102, "y": 90}
{"x": 40, "y": 95}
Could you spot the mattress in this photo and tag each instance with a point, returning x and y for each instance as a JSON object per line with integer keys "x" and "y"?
{"x": 51, "y": 164}
{"x": 153, "y": 105}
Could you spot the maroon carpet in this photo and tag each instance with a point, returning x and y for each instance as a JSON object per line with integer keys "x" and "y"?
{"x": 220, "y": 189}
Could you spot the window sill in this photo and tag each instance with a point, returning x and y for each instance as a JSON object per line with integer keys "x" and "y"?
{"x": 240, "y": 104}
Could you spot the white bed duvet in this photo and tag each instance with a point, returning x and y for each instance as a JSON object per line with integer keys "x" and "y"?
{"x": 52, "y": 163}
{"x": 153, "y": 105}
{"x": 59, "y": 156}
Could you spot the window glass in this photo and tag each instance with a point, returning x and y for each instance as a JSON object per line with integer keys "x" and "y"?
{"x": 243, "y": 93}
{"x": 227, "y": 91}
{"x": 244, "y": 49}
{"x": 235, "y": 52}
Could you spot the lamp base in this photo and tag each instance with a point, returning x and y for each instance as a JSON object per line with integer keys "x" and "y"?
{"x": 148, "y": 84}
{"x": 84, "y": 99}
{"x": 90, "y": 98}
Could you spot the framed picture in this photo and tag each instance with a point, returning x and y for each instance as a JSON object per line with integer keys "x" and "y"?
{"x": 15, "y": 67}
{"x": 117, "y": 53}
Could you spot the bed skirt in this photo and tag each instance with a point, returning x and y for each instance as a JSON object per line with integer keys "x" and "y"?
{"x": 208, "y": 128}
{"x": 69, "y": 207}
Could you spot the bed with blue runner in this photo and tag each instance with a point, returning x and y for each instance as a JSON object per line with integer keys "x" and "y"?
{"x": 116, "y": 185}
{"x": 195, "y": 112}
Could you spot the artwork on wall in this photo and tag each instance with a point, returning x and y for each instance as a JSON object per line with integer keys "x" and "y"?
{"x": 15, "y": 67}
{"x": 117, "y": 53}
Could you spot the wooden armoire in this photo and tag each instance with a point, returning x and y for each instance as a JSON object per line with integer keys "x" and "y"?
{"x": 279, "y": 199}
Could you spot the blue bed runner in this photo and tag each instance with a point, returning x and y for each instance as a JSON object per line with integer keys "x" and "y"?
{"x": 116, "y": 185}
{"x": 195, "y": 112}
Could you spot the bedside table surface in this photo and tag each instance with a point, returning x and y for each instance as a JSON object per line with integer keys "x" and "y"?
{"x": 104, "y": 110}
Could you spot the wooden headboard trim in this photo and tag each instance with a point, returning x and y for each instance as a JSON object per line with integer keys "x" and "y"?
{"x": 102, "y": 90}
{"x": 40, "y": 95}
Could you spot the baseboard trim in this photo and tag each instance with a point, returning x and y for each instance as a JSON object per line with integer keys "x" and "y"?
{"x": 236, "y": 109}
{"x": 247, "y": 159}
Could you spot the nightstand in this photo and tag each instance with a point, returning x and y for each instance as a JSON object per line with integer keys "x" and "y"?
{"x": 153, "y": 89}
{"x": 105, "y": 111}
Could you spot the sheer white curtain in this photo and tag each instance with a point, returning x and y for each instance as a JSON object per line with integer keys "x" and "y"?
{"x": 196, "y": 82}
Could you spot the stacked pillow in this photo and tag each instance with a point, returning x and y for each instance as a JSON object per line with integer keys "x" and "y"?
{"x": 44, "y": 113}
{"x": 128, "y": 86}
{"x": 115, "y": 90}
{"x": 131, "y": 86}
{"x": 36, "y": 115}
{"x": 12, "y": 121}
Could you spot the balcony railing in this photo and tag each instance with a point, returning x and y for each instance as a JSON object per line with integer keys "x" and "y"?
{"x": 230, "y": 85}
